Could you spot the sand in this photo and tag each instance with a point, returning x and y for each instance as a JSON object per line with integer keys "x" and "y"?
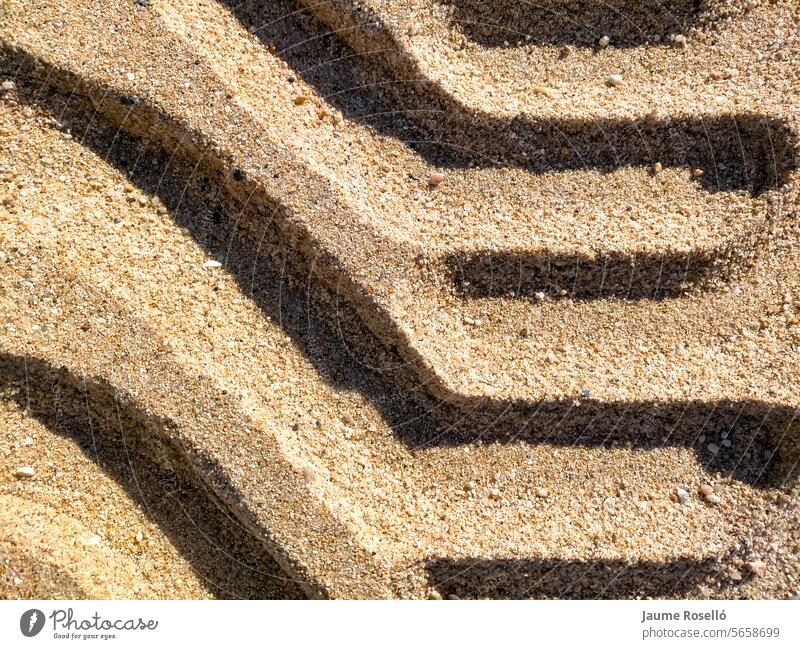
{"x": 490, "y": 386}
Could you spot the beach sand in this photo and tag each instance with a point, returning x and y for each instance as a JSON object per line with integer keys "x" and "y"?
{"x": 391, "y": 299}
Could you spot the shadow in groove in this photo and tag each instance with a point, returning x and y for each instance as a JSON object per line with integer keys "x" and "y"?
{"x": 633, "y": 277}
{"x": 627, "y": 23}
{"x": 744, "y": 151}
{"x": 561, "y": 579}
{"x": 763, "y": 438}
{"x": 227, "y": 557}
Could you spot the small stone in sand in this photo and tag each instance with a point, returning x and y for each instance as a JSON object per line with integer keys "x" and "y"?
{"x": 604, "y": 41}
{"x": 756, "y": 567}
{"x": 211, "y": 263}
{"x": 436, "y": 179}
{"x": 25, "y": 472}
{"x": 615, "y": 80}
{"x": 8, "y": 85}
{"x": 683, "y": 495}
{"x": 542, "y": 492}
{"x": 658, "y": 168}
{"x": 706, "y": 489}
{"x": 543, "y": 90}
{"x": 539, "y": 295}
{"x": 713, "y": 499}
{"x": 139, "y": 536}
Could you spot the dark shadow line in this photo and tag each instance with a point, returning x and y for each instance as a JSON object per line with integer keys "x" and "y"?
{"x": 228, "y": 558}
{"x": 579, "y": 23}
{"x": 637, "y": 276}
{"x": 565, "y": 579}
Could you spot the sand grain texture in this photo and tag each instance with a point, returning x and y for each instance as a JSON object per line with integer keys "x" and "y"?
{"x": 488, "y": 385}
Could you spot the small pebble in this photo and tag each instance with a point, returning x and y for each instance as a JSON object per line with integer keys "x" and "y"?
{"x": 25, "y": 472}
{"x": 28, "y": 441}
{"x": 542, "y": 492}
{"x": 539, "y": 295}
{"x": 615, "y": 80}
{"x": 658, "y": 168}
{"x": 706, "y": 490}
{"x": 543, "y": 90}
{"x": 714, "y": 499}
{"x": 683, "y": 495}
{"x": 8, "y": 85}
{"x": 211, "y": 263}
{"x": 435, "y": 179}
{"x": 494, "y": 493}
{"x": 604, "y": 41}
{"x": 756, "y": 567}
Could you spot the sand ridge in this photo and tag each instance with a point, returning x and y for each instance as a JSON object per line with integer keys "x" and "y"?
{"x": 301, "y": 179}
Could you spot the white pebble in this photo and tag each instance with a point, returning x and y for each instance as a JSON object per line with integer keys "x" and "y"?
{"x": 542, "y": 492}
{"x": 25, "y": 472}
{"x": 212, "y": 264}
{"x": 8, "y": 85}
{"x": 683, "y": 495}
{"x": 604, "y": 41}
{"x": 615, "y": 80}
{"x": 714, "y": 499}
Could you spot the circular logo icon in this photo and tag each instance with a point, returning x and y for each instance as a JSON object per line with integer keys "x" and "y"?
{"x": 31, "y": 622}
